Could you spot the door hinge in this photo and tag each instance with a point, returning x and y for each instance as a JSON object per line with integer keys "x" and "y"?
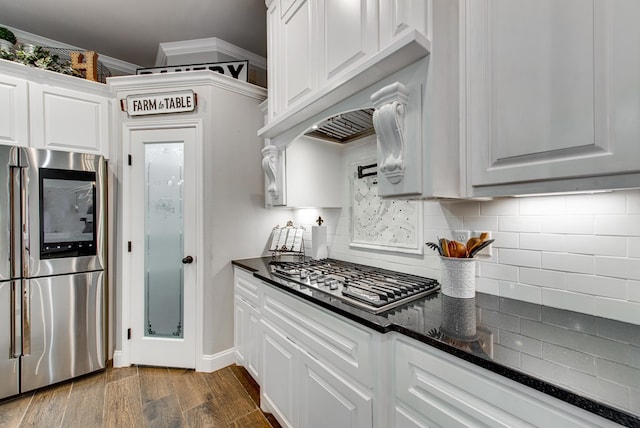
{"x": 128, "y": 334}
{"x": 129, "y": 159}
{"x": 129, "y": 246}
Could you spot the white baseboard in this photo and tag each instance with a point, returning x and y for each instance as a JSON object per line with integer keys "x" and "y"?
{"x": 120, "y": 359}
{"x": 211, "y": 363}
{"x": 207, "y": 363}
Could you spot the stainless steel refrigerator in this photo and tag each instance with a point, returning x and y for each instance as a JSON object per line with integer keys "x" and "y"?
{"x": 52, "y": 261}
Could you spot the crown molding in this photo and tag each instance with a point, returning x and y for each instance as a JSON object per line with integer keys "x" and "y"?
{"x": 187, "y": 78}
{"x": 211, "y": 44}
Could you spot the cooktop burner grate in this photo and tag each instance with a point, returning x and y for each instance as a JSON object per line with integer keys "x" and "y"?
{"x": 372, "y": 289}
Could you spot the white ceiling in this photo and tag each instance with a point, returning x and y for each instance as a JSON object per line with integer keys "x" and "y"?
{"x": 130, "y": 30}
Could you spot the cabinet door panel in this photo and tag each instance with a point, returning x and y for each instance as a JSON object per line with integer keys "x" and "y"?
{"x": 253, "y": 333}
{"x": 345, "y": 346}
{"x": 542, "y": 89}
{"x": 400, "y": 16}
{"x": 279, "y": 369}
{"x": 321, "y": 389}
{"x": 241, "y": 331}
{"x": 65, "y": 119}
{"x": 14, "y": 113}
{"x": 299, "y": 74}
{"x": 350, "y": 33}
{"x": 453, "y": 393}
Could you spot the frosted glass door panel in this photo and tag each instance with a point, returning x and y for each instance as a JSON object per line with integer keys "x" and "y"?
{"x": 164, "y": 231}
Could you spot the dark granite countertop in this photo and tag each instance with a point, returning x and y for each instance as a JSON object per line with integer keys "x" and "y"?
{"x": 588, "y": 361}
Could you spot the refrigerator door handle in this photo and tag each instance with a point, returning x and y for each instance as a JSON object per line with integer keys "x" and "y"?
{"x": 15, "y": 227}
{"x": 25, "y": 223}
{"x": 15, "y": 350}
{"x": 26, "y": 318}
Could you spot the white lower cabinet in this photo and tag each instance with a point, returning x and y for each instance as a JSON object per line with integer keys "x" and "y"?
{"x": 320, "y": 370}
{"x": 434, "y": 389}
{"x": 303, "y": 391}
{"x": 327, "y": 399}
{"x": 246, "y": 334}
{"x": 246, "y": 337}
{"x": 278, "y": 389}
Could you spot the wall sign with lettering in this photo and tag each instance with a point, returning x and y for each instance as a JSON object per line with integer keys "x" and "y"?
{"x": 168, "y": 102}
{"x": 236, "y": 69}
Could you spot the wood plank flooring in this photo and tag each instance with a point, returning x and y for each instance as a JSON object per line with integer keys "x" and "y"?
{"x": 143, "y": 397}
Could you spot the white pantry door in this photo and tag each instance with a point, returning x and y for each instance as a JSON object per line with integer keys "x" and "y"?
{"x": 163, "y": 250}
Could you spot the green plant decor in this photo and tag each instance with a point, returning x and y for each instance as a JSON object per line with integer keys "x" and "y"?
{"x": 7, "y": 35}
{"x": 39, "y": 57}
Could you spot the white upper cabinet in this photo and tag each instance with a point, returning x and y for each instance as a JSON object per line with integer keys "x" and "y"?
{"x": 48, "y": 110}
{"x": 323, "y": 51}
{"x": 297, "y": 51}
{"x": 399, "y": 17}
{"x": 552, "y": 92}
{"x": 349, "y": 34}
{"x": 67, "y": 119}
{"x": 14, "y": 111}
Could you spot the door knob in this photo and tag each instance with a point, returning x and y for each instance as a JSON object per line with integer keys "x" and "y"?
{"x": 187, "y": 259}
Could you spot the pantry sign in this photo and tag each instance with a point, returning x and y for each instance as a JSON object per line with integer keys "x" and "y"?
{"x": 159, "y": 103}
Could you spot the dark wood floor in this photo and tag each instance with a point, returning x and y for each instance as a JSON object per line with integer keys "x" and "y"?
{"x": 143, "y": 397}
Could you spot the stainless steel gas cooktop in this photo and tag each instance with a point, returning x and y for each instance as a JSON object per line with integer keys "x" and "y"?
{"x": 373, "y": 289}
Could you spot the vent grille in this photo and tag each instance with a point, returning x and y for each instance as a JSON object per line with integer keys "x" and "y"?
{"x": 345, "y": 127}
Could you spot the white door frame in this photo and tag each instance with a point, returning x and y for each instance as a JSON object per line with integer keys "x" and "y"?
{"x": 122, "y": 356}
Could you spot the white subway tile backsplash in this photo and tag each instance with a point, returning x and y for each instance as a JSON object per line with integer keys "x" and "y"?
{"x": 633, "y": 247}
{"x": 433, "y": 208}
{"x": 544, "y": 278}
{"x": 583, "y": 224}
{"x": 617, "y": 225}
{"x": 487, "y": 285}
{"x": 596, "y": 245}
{"x": 497, "y": 271}
{"x": 599, "y": 203}
{"x": 569, "y": 300}
{"x": 480, "y": 224}
{"x": 546, "y": 205}
{"x": 522, "y": 292}
{"x": 442, "y": 223}
{"x": 568, "y": 262}
{"x": 597, "y": 285}
{"x": 633, "y": 202}
{"x": 578, "y": 252}
{"x": 633, "y": 288}
{"x": 519, "y": 224}
{"x": 500, "y": 207}
{"x": 543, "y": 242}
{"x": 618, "y": 309}
{"x": 522, "y": 258}
{"x": 462, "y": 208}
{"x": 618, "y": 267}
{"x": 505, "y": 240}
